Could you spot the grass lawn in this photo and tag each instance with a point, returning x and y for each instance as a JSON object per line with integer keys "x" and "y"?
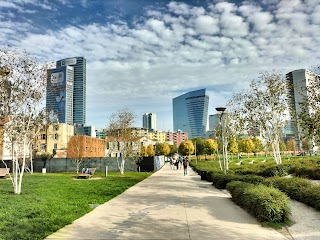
{"x": 50, "y": 201}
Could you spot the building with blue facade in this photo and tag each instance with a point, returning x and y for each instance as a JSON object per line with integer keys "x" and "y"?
{"x": 190, "y": 113}
{"x": 60, "y": 103}
{"x": 59, "y": 100}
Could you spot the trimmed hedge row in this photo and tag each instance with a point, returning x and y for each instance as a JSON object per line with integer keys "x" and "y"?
{"x": 267, "y": 204}
{"x": 220, "y": 181}
{"x": 299, "y": 189}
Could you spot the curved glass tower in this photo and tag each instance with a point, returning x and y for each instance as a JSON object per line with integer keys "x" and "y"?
{"x": 190, "y": 113}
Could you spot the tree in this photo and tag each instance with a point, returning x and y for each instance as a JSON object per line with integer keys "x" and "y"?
{"x": 150, "y": 151}
{"x": 292, "y": 145}
{"x": 120, "y": 130}
{"x": 157, "y": 149}
{"x": 211, "y": 146}
{"x": 305, "y": 144}
{"x": 186, "y": 148}
{"x": 173, "y": 149}
{"x": 76, "y": 150}
{"x": 258, "y": 145}
{"x": 164, "y": 149}
{"x": 282, "y": 146}
{"x": 246, "y": 145}
{"x": 143, "y": 152}
{"x": 199, "y": 145}
{"x": 233, "y": 145}
{"x": 22, "y": 93}
{"x": 264, "y": 108}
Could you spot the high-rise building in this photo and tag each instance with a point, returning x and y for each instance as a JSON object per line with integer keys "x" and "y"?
{"x": 297, "y": 83}
{"x": 59, "y": 99}
{"x": 214, "y": 121}
{"x": 66, "y": 91}
{"x": 190, "y": 113}
{"x": 149, "y": 121}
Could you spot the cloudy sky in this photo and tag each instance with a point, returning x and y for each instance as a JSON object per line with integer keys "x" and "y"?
{"x": 143, "y": 53}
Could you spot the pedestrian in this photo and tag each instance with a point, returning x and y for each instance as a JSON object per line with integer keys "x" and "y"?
{"x": 180, "y": 161}
{"x": 171, "y": 163}
{"x": 177, "y": 164}
{"x": 185, "y": 166}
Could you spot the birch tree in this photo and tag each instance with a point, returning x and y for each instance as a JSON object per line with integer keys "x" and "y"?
{"x": 120, "y": 129}
{"x": 76, "y": 150}
{"x": 22, "y": 100}
{"x": 264, "y": 108}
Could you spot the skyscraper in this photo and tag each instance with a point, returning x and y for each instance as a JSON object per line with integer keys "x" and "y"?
{"x": 66, "y": 90}
{"x": 297, "y": 82}
{"x": 149, "y": 121}
{"x": 190, "y": 113}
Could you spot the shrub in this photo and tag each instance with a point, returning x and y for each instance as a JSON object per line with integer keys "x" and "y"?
{"x": 220, "y": 181}
{"x": 280, "y": 170}
{"x": 308, "y": 172}
{"x": 265, "y": 203}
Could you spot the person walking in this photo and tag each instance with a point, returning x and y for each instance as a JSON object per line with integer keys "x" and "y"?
{"x": 185, "y": 166}
{"x": 177, "y": 164}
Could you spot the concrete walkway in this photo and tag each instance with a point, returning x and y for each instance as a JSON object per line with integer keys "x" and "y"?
{"x": 168, "y": 205}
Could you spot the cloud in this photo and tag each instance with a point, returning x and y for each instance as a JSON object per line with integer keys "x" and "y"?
{"x": 146, "y": 62}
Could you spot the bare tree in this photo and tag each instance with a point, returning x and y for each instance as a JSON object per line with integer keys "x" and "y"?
{"x": 264, "y": 108}
{"x": 22, "y": 104}
{"x": 121, "y": 131}
{"x": 76, "y": 150}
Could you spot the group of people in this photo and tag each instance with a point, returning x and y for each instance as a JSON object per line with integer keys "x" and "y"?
{"x": 178, "y": 163}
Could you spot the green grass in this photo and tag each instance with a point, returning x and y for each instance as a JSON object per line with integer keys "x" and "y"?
{"x": 50, "y": 201}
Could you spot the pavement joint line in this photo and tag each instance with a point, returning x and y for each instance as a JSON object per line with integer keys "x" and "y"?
{"x": 185, "y": 210}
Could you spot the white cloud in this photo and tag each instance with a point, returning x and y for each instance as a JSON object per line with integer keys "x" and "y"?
{"x": 174, "y": 50}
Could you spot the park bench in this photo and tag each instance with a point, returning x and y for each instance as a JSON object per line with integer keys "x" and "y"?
{"x": 87, "y": 175}
{"x": 4, "y": 172}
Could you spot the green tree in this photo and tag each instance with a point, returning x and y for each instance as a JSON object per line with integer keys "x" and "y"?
{"x": 186, "y": 148}
{"x": 199, "y": 144}
{"x": 282, "y": 146}
{"x": 157, "y": 149}
{"x": 173, "y": 149}
{"x": 305, "y": 144}
{"x": 246, "y": 145}
{"x": 233, "y": 146}
{"x": 258, "y": 145}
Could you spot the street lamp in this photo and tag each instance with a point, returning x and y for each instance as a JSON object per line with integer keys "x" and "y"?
{"x": 221, "y": 111}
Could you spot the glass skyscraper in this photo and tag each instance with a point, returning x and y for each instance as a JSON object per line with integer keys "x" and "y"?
{"x": 190, "y": 113}
{"x": 149, "y": 121}
{"x": 76, "y": 102}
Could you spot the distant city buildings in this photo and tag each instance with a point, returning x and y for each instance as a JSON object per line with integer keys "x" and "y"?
{"x": 214, "y": 121}
{"x": 297, "y": 83}
{"x": 66, "y": 91}
{"x": 190, "y": 113}
{"x": 149, "y": 121}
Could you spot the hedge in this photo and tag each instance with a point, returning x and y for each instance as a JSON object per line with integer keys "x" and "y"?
{"x": 267, "y": 204}
{"x": 299, "y": 189}
{"x": 220, "y": 181}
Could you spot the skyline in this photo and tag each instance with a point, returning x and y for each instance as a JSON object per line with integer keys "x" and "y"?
{"x": 142, "y": 54}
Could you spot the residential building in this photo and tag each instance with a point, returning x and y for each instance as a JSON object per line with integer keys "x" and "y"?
{"x": 55, "y": 137}
{"x": 157, "y": 136}
{"x": 66, "y": 90}
{"x": 176, "y": 137}
{"x": 297, "y": 83}
{"x": 81, "y": 146}
{"x": 190, "y": 113}
{"x": 149, "y": 121}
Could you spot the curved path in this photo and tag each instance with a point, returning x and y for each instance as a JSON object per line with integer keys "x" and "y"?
{"x": 168, "y": 205}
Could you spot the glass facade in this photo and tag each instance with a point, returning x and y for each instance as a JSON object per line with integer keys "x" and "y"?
{"x": 59, "y": 98}
{"x": 79, "y": 90}
{"x": 190, "y": 113}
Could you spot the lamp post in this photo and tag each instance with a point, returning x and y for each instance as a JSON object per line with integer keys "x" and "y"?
{"x": 221, "y": 111}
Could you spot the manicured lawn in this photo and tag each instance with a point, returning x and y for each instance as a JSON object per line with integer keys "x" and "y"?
{"x": 50, "y": 201}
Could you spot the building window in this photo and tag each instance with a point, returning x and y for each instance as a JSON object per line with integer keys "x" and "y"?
{"x": 55, "y": 136}
{"x": 55, "y": 146}
{"x": 55, "y": 127}
{"x": 43, "y": 146}
{"x": 43, "y": 136}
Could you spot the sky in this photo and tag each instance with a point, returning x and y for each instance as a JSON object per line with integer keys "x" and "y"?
{"x": 143, "y": 53}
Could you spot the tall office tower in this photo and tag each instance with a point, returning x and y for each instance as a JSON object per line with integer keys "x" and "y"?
{"x": 59, "y": 99}
{"x": 79, "y": 89}
{"x": 214, "y": 121}
{"x": 190, "y": 113}
{"x": 149, "y": 121}
{"x": 297, "y": 82}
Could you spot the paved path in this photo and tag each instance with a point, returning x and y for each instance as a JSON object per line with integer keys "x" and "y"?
{"x": 168, "y": 205}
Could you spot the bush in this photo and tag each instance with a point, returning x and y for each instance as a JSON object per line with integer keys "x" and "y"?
{"x": 220, "y": 181}
{"x": 267, "y": 204}
{"x": 307, "y": 172}
{"x": 299, "y": 189}
{"x": 280, "y": 170}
